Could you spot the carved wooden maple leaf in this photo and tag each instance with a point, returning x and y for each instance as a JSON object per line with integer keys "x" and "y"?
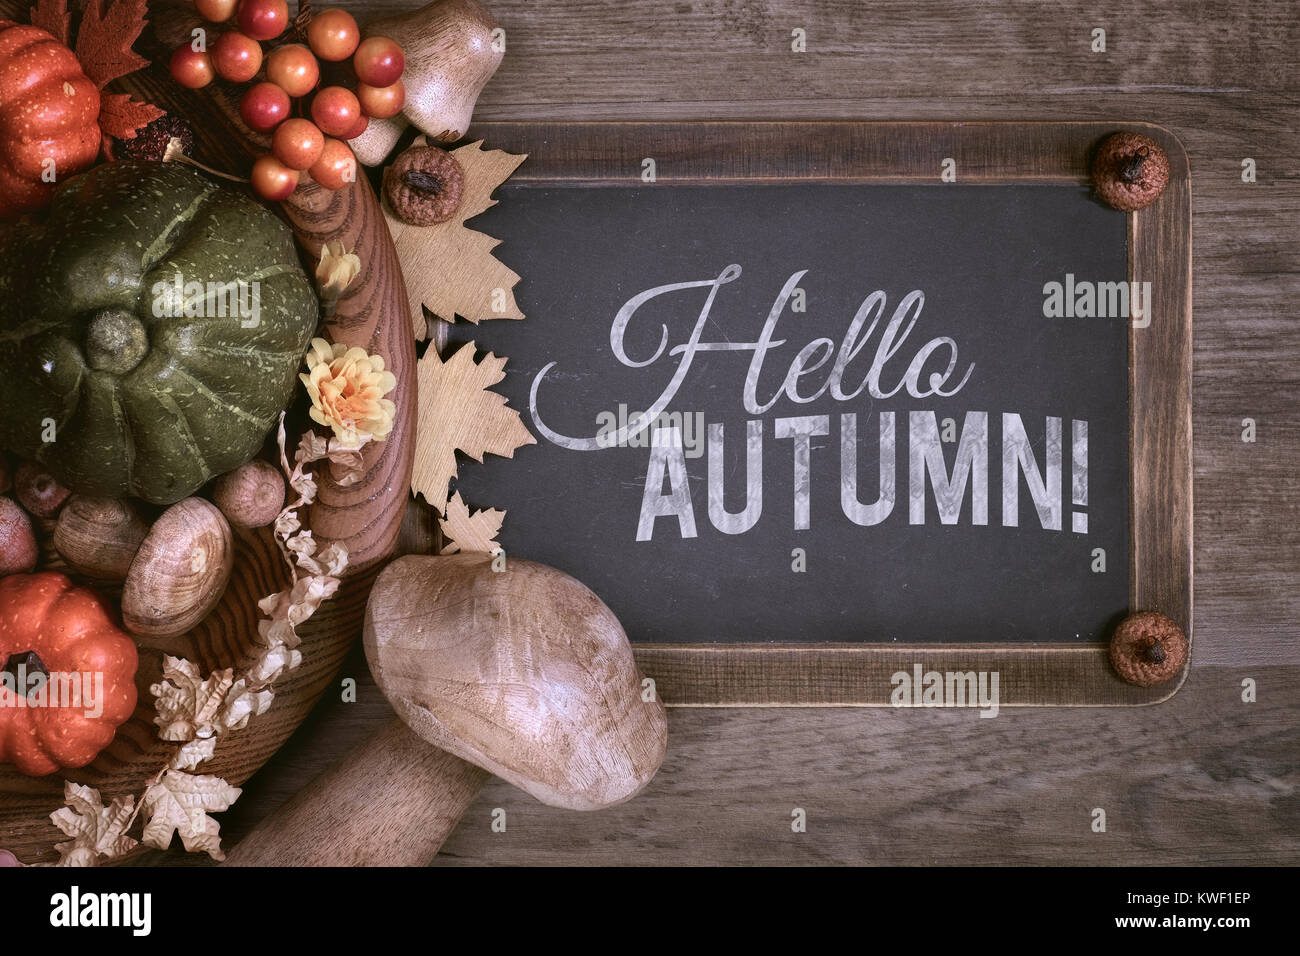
{"x": 449, "y": 268}
{"x": 470, "y": 534}
{"x": 96, "y": 830}
{"x": 458, "y": 412}
{"x": 180, "y": 803}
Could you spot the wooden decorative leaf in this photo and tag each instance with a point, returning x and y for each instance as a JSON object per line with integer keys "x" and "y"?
{"x": 105, "y": 36}
{"x": 449, "y": 268}
{"x": 456, "y": 411}
{"x": 472, "y": 534}
{"x": 122, "y": 117}
{"x": 53, "y": 16}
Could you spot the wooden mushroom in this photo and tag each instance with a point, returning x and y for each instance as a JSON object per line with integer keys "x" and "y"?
{"x": 99, "y": 536}
{"x": 450, "y": 56}
{"x": 251, "y": 496}
{"x": 180, "y": 571}
{"x": 523, "y": 673}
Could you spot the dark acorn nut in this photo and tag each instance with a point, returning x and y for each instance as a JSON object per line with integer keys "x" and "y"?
{"x": 38, "y": 491}
{"x": 424, "y": 185}
{"x": 1130, "y": 171}
{"x": 1148, "y": 649}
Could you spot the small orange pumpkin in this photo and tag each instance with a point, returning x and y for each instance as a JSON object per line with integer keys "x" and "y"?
{"x": 49, "y": 111}
{"x": 49, "y": 625}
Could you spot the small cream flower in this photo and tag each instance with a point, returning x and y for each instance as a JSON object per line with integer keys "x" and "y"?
{"x": 347, "y": 388}
{"x": 336, "y": 269}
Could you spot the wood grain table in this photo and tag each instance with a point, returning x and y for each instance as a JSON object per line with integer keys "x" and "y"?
{"x": 1205, "y": 778}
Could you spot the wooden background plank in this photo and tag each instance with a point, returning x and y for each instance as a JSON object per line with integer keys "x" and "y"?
{"x": 1202, "y": 778}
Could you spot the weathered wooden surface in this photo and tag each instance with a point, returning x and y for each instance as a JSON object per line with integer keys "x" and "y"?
{"x": 1203, "y": 778}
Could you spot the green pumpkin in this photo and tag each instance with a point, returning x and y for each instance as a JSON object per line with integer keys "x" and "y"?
{"x": 152, "y": 326}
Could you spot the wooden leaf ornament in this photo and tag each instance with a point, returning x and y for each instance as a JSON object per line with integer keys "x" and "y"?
{"x": 449, "y": 268}
{"x": 458, "y": 412}
{"x": 466, "y": 533}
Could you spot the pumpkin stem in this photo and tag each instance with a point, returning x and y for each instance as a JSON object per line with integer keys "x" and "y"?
{"x": 1130, "y": 171}
{"x": 30, "y": 663}
{"x": 116, "y": 341}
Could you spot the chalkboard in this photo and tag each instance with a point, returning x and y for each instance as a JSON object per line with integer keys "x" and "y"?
{"x": 967, "y": 267}
{"x": 890, "y": 419}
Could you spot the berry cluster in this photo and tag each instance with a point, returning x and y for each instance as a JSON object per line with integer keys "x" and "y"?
{"x": 292, "y": 71}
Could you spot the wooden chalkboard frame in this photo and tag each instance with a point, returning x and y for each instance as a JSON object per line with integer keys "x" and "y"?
{"x": 1160, "y": 365}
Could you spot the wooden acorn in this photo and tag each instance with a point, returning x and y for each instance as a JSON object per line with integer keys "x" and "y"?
{"x": 252, "y": 495}
{"x": 450, "y": 56}
{"x": 180, "y": 571}
{"x": 99, "y": 537}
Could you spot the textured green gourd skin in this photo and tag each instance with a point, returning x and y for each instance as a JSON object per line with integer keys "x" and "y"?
{"x": 207, "y": 391}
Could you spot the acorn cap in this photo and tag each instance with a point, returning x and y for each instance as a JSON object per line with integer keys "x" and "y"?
{"x": 1129, "y": 171}
{"x": 1148, "y": 649}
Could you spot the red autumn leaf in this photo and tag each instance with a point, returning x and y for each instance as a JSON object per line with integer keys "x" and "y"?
{"x": 53, "y": 15}
{"x": 105, "y": 37}
{"x": 122, "y": 117}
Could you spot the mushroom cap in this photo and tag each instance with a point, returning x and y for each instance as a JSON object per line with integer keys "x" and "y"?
{"x": 450, "y": 56}
{"x": 523, "y": 671}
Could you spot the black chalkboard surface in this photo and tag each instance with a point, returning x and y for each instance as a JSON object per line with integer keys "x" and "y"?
{"x": 961, "y": 277}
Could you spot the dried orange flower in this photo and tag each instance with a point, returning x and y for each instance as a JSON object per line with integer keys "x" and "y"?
{"x": 336, "y": 269}
{"x": 347, "y": 388}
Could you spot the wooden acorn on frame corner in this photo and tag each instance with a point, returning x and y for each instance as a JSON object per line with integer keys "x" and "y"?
{"x": 1129, "y": 171}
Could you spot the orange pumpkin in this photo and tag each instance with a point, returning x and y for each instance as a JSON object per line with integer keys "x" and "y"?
{"x": 49, "y": 625}
{"x": 49, "y": 112}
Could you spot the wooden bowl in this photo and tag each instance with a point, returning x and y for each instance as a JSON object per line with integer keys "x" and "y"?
{"x": 366, "y": 516}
